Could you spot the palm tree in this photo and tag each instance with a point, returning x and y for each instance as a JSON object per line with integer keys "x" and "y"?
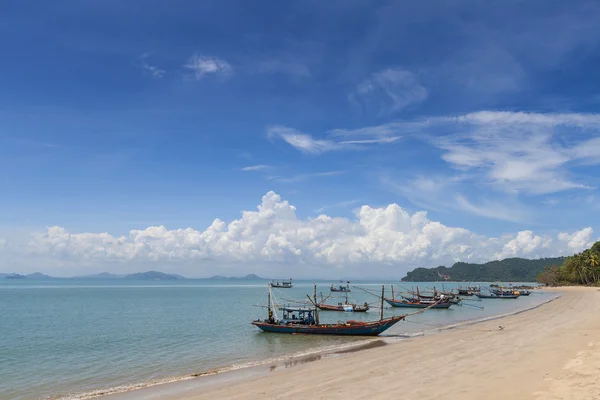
{"x": 593, "y": 262}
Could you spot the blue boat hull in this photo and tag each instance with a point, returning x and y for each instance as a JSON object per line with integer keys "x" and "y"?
{"x": 366, "y": 329}
{"x": 396, "y": 303}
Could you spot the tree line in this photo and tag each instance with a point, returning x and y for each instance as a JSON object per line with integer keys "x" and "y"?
{"x": 579, "y": 269}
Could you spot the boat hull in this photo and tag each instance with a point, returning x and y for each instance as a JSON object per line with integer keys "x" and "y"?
{"x": 396, "y": 303}
{"x": 358, "y": 329}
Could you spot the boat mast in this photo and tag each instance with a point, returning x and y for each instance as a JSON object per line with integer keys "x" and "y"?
{"x": 381, "y": 309}
{"x": 392, "y": 286}
{"x": 316, "y": 309}
{"x": 269, "y": 303}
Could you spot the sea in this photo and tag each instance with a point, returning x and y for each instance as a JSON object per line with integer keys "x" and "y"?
{"x": 69, "y": 339}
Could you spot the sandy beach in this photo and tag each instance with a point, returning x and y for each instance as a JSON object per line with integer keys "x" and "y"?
{"x": 551, "y": 352}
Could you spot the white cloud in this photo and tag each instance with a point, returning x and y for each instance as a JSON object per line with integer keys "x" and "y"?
{"x": 151, "y": 70}
{"x": 493, "y": 210}
{"x": 302, "y": 141}
{"x": 384, "y": 239}
{"x": 307, "y": 144}
{"x": 304, "y": 177}
{"x": 389, "y": 91}
{"x": 517, "y": 151}
{"x": 341, "y": 204}
{"x": 203, "y": 65}
{"x": 442, "y": 193}
{"x": 256, "y": 167}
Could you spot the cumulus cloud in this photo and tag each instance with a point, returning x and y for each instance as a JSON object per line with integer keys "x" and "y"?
{"x": 200, "y": 66}
{"x": 380, "y": 238}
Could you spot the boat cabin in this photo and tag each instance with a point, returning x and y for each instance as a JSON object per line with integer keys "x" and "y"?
{"x": 297, "y": 315}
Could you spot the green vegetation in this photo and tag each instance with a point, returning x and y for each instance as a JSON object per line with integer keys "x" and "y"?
{"x": 579, "y": 269}
{"x": 508, "y": 270}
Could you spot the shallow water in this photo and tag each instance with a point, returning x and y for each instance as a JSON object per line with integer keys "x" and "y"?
{"x": 65, "y": 337}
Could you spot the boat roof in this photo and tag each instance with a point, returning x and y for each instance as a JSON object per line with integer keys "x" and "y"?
{"x": 300, "y": 309}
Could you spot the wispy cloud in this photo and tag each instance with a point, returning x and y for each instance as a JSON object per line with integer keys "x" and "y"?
{"x": 493, "y": 210}
{"x": 200, "y": 66}
{"x": 302, "y": 141}
{"x": 304, "y": 177}
{"x": 334, "y": 141}
{"x": 151, "y": 70}
{"x": 442, "y": 193}
{"x": 256, "y": 167}
{"x": 520, "y": 152}
{"x": 341, "y": 204}
{"x": 389, "y": 91}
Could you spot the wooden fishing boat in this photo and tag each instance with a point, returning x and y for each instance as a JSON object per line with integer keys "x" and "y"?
{"x": 449, "y": 297}
{"x": 497, "y": 296}
{"x": 306, "y": 321}
{"x": 281, "y": 285}
{"x": 353, "y": 328}
{"x": 340, "y": 288}
{"x": 469, "y": 291}
{"x": 511, "y": 291}
{"x": 417, "y": 304}
{"x": 344, "y": 307}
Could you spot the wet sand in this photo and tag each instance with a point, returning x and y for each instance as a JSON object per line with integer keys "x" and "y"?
{"x": 548, "y": 353}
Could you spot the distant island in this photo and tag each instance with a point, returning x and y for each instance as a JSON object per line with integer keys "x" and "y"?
{"x": 139, "y": 276}
{"x": 507, "y": 270}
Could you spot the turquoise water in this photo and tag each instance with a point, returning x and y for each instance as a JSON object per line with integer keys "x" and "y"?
{"x": 67, "y": 337}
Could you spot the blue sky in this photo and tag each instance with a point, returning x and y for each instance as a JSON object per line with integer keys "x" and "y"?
{"x": 120, "y": 115}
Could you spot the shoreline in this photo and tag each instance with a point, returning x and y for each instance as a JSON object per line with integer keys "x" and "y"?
{"x": 549, "y": 352}
{"x": 166, "y": 388}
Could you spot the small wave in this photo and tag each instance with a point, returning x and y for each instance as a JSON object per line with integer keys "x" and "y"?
{"x": 338, "y": 348}
{"x": 234, "y": 367}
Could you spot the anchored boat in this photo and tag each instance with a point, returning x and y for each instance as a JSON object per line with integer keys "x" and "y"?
{"x": 305, "y": 320}
{"x": 281, "y": 285}
{"x": 341, "y": 288}
{"x": 345, "y": 306}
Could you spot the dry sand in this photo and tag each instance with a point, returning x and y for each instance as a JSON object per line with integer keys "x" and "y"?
{"x": 549, "y": 353}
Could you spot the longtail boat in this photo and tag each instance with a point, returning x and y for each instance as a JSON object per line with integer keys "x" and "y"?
{"x": 497, "y": 296}
{"x": 469, "y": 291}
{"x": 340, "y": 288}
{"x": 510, "y": 291}
{"x": 417, "y": 304}
{"x": 344, "y": 307}
{"x": 444, "y": 297}
{"x": 438, "y": 302}
{"x": 306, "y": 321}
{"x": 281, "y": 285}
